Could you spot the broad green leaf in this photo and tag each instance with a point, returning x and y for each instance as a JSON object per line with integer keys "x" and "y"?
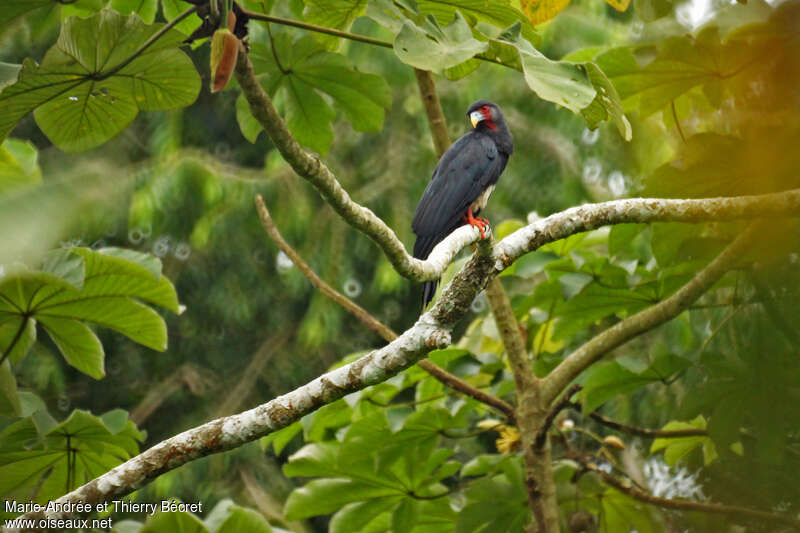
{"x": 77, "y": 285}
{"x": 180, "y": 521}
{"x": 431, "y": 47}
{"x": 612, "y": 379}
{"x": 146, "y": 9}
{"x": 336, "y": 14}
{"x": 357, "y": 515}
{"x": 305, "y": 73}
{"x": 498, "y": 13}
{"x": 539, "y": 11}
{"x": 85, "y": 92}
{"x": 620, "y": 512}
{"x": 12, "y": 9}
{"x": 18, "y": 165}
{"x": 171, "y": 9}
{"x": 82, "y": 443}
{"x": 323, "y": 496}
{"x": 677, "y": 448}
{"x": 17, "y": 335}
{"x": 621, "y": 236}
{"x": 279, "y": 439}
{"x": 77, "y": 343}
{"x": 9, "y": 397}
{"x": 243, "y": 520}
{"x": 564, "y": 83}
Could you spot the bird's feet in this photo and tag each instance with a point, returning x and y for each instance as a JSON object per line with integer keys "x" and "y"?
{"x": 481, "y": 223}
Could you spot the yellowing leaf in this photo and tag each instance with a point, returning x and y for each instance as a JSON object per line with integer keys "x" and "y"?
{"x": 619, "y": 5}
{"x": 539, "y": 11}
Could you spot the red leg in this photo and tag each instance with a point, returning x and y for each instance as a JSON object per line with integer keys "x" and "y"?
{"x": 480, "y": 223}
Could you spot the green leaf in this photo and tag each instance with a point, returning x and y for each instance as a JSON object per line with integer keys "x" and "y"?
{"x": 9, "y": 397}
{"x": 83, "y": 93}
{"x": 306, "y": 73}
{"x": 179, "y": 521}
{"x": 358, "y": 515}
{"x": 80, "y": 284}
{"x": 498, "y": 13}
{"x": 677, "y": 448}
{"x": 77, "y": 343}
{"x": 621, "y": 236}
{"x": 243, "y": 520}
{"x": 17, "y": 335}
{"x": 431, "y": 47}
{"x": 82, "y": 443}
{"x": 323, "y": 496}
{"x": 336, "y": 14}
{"x": 279, "y": 439}
{"x": 12, "y": 9}
{"x": 146, "y": 9}
{"x": 172, "y": 8}
{"x": 405, "y": 516}
{"x": 18, "y": 165}
{"x": 608, "y": 380}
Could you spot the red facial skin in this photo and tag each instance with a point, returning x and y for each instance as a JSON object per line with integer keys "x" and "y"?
{"x": 487, "y": 115}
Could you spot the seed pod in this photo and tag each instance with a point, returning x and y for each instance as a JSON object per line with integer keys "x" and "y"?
{"x": 224, "y": 51}
{"x": 613, "y": 442}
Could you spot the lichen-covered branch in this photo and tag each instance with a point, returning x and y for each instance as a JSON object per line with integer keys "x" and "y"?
{"x": 642, "y": 210}
{"x": 233, "y": 431}
{"x": 371, "y": 322}
{"x": 623, "y": 331}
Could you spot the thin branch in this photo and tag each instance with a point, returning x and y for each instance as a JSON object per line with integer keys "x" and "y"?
{"x": 370, "y": 321}
{"x": 647, "y": 319}
{"x": 644, "y": 432}
{"x": 148, "y": 43}
{"x": 343, "y": 34}
{"x": 628, "y": 488}
{"x": 510, "y": 334}
{"x": 318, "y": 29}
{"x": 433, "y": 110}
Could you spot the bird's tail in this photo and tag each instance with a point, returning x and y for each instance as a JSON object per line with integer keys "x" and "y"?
{"x": 428, "y": 290}
{"x": 423, "y": 248}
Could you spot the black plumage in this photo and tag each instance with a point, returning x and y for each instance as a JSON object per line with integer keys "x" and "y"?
{"x": 462, "y": 182}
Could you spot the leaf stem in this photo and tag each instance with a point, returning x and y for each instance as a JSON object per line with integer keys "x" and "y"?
{"x": 339, "y": 33}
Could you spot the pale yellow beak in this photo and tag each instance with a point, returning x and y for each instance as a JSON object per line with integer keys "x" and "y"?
{"x": 475, "y": 117}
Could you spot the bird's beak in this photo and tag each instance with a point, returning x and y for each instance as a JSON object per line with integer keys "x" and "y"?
{"x": 475, "y": 117}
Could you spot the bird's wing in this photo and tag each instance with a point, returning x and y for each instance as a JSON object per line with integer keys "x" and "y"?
{"x": 467, "y": 168}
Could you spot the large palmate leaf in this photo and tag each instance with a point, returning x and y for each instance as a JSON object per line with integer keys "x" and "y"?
{"x": 375, "y": 475}
{"x": 78, "y": 285}
{"x": 88, "y": 89}
{"x": 580, "y": 87}
{"x": 65, "y": 455}
{"x": 337, "y": 14}
{"x": 431, "y": 47}
{"x": 298, "y": 78}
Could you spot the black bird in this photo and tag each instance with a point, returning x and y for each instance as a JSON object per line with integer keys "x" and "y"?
{"x": 462, "y": 182}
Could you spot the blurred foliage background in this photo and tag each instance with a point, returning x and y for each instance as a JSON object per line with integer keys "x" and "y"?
{"x": 180, "y": 186}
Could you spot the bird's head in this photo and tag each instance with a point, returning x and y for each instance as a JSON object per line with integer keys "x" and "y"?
{"x": 486, "y": 112}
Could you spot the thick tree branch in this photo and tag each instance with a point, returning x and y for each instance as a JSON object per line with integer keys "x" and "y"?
{"x": 647, "y": 319}
{"x": 370, "y": 321}
{"x": 233, "y": 431}
{"x": 685, "y": 505}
